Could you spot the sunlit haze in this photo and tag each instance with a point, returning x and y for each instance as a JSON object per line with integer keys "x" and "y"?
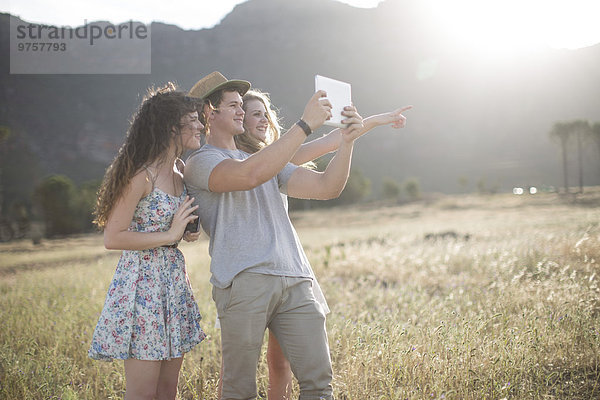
{"x": 491, "y": 26}
{"x": 509, "y": 25}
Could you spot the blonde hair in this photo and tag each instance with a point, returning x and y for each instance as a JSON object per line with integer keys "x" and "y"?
{"x": 249, "y": 143}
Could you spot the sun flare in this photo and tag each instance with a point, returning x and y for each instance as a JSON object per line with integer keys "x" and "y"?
{"x": 509, "y": 26}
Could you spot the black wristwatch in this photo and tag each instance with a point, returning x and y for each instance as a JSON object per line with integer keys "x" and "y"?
{"x": 304, "y": 126}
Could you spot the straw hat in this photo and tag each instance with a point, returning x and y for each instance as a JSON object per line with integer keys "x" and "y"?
{"x": 216, "y": 81}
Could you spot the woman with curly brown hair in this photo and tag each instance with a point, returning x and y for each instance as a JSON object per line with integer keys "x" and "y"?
{"x": 150, "y": 318}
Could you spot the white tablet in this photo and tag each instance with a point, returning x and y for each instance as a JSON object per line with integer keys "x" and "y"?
{"x": 339, "y": 95}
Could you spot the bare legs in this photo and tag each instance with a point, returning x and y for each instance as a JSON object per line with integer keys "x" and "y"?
{"x": 147, "y": 380}
{"x": 280, "y": 373}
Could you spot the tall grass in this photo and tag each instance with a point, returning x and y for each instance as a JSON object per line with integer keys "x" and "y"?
{"x": 456, "y": 298}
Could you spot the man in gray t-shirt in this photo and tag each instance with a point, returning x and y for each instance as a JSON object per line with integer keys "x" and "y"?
{"x": 257, "y": 217}
{"x": 260, "y": 275}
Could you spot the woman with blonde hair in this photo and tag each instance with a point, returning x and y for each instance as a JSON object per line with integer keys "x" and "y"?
{"x": 150, "y": 318}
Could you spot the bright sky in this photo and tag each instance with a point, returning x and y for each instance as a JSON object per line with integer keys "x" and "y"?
{"x": 499, "y": 25}
{"x": 187, "y": 14}
{"x": 510, "y": 25}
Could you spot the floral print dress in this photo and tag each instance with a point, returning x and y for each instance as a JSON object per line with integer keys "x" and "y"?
{"x": 149, "y": 312}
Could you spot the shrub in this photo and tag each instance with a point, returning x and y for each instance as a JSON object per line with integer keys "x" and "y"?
{"x": 65, "y": 208}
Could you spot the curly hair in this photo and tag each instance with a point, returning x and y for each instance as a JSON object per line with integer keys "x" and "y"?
{"x": 246, "y": 141}
{"x": 148, "y": 139}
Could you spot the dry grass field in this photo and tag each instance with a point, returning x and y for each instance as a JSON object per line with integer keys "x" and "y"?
{"x": 454, "y": 297}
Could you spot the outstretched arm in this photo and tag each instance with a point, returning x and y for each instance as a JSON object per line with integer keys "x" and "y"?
{"x": 233, "y": 175}
{"x": 330, "y": 142}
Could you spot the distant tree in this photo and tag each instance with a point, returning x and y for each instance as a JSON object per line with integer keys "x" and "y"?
{"x": 21, "y": 219}
{"x": 56, "y": 196}
{"x": 84, "y": 204}
{"x": 20, "y": 173}
{"x": 561, "y": 133}
{"x": 581, "y": 130}
{"x": 412, "y": 188}
{"x": 390, "y": 188}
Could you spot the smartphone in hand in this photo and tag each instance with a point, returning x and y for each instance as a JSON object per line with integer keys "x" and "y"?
{"x": 193, "y": 226}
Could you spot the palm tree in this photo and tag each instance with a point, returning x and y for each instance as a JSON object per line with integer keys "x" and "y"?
{"x": 561, "y": 133}
{"x": 581, "y": 129}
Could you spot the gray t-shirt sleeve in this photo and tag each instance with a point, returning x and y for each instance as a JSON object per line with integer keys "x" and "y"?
{"x": 199, "y": 167}
{"x": 284, "y": 176}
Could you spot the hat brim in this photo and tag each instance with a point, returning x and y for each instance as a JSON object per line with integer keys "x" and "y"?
{"x": 238, "y": 85}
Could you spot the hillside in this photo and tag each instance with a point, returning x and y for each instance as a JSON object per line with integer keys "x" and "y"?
{"x": 475, "y": 117}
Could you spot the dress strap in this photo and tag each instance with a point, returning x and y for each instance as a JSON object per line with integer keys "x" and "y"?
{"x": 150, "y": 175}
{"x": 179, "y": 165}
